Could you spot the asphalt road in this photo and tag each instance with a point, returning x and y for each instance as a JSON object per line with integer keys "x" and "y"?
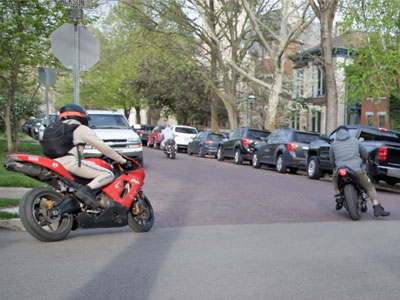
{"x": 222, "y": 232}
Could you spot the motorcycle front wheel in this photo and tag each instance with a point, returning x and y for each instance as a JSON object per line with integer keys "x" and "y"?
{"x": 351, "y": 198}
{"x": 141, "y": 215}
{"x": 40, "y": 218}
{"x": 172, "y": 155}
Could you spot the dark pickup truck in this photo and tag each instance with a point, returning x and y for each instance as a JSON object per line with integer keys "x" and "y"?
{"x": 383, "y": 148}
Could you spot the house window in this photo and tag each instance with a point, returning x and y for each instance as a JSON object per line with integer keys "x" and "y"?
{"x": 296, "y": 120}
{"x": 382, "y": 118}
{"x": 299, "y": 84}
{"x": 316, "y": 121}
{"x": 370, "y": 118}
{"x": 321, "y": 84}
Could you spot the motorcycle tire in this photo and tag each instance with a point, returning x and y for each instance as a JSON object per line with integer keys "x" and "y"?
{"x": 141, "y": 215}
{"x": 351, "y": 198}
{"x": 172, "y": 155}
{"x": 37, "y": 219}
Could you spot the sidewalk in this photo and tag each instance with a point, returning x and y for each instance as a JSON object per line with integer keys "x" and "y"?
{"x": 12, "y": 193}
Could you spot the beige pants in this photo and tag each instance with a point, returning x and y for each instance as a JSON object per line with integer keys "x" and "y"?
{"x": 88, "y": 170}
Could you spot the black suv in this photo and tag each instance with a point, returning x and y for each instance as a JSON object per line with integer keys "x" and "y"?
{"x": 239, "y": 144}
{"x": 383, "y": 148}
{"x": 285, "y": 148}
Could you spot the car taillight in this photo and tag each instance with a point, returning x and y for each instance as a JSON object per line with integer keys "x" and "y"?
{"x": 291, "y": 147}
{"x": 382, "y": 154}
{"x": 343, "y": 172}
{"x": 208, "y": 142}
{"x": 383, "y": 129}
{"x": 140, "y": 132}
{"x": 245, "y": 142}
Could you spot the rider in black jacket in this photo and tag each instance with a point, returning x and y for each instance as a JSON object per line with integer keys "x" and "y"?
{"x": 345, "y": 152}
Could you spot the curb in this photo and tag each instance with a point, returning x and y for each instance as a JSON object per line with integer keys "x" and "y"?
{"x": 12, "y": 224}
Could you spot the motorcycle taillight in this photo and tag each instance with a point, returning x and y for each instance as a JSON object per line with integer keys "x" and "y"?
{"x": 342, "y": 172}
{"x": 382, "y": 154}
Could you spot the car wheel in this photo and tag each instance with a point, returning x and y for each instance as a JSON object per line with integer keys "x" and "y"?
{"x": 220, "y": 154}
{"x": 201, "y": 152}
{"x": 255, "y": 160}
{"x": 189, "y": 152}
{"x": 313, "y": 170}
{"x": 238, "y": 159}
{"x": 280, "y": 164}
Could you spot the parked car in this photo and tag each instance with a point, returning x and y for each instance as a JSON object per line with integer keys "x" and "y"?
{"x": 383, "y": 148}
{"x": 285, "y": 148}
{"x": 143, "y": 131}
{"x": 114, "y": 129}
{"x": 154, "y": 138}
{"x": 43, "y": 125}
{"x": 31, "y": 127}
{"x": 183, "y": 135}
{"x": 205, "y": 143}
{"x": 239, "y": 144}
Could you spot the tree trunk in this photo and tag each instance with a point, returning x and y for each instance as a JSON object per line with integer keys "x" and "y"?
{"x": 138, "y": 118}
{"x": 273, "y": 102}
{"x": 331, "y": 88}
{"x": 10, "y": 103}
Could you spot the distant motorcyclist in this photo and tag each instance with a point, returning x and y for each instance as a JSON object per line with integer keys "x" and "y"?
{"x": 73, "y": 114}
{"x": 345, "y": 152}
{"x": 166, "y": 134}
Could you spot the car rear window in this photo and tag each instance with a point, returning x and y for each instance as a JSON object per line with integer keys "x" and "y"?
{"x": 306, "y": 137}
{"x": 257, "y": 134}
{"x": 185, "y": 130}
{"x": 369, "y": 134}
{"x": 215, "y": 137}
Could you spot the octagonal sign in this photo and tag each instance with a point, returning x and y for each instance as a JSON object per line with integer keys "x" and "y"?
{"x": 62, "y": 45}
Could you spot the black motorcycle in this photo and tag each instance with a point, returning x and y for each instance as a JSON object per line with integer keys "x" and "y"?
{"x": 352, "y": 195}
{"x": 169, "y": 149}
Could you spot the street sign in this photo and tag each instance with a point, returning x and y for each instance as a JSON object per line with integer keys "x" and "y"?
{"x": 76, "y": 3}
{"x": 47, "y": 76}
{"x": 62, "y": 45}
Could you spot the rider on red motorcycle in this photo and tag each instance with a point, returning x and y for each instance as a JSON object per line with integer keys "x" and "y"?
{"x": 345, "y": 152}
{"x": 73, "y": 114}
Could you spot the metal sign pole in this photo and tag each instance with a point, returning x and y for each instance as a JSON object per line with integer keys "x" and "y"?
{"x": 47, "y": 98}
{"x": 76, "y": 62}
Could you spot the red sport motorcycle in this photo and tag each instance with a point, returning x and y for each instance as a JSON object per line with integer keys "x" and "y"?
{"x": 49, "y": 214}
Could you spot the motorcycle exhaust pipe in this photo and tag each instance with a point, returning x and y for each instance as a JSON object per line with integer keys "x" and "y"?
{"x": 68, "y": 205}
{"x": 30, "y": 170}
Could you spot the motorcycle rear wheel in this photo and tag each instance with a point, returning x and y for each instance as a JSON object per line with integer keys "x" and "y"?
{"x": 38, "y": 217}
{"x": 141, "y": 215}
{"x": 351, "y": 198}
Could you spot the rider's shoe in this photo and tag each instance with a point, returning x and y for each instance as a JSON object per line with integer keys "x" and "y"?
{"x": 380, "y": 211}
{"x": 85, "y": 193}
{"x": 339, "y": 201}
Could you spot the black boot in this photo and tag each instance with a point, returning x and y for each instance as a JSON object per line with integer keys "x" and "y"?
{"x": 339, "y": 201}
{"x": 380, "y": 211}
{"x": 85, "y": 193}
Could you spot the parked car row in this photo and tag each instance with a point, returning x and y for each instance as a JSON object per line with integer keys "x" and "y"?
{"x": 290, "y": 150}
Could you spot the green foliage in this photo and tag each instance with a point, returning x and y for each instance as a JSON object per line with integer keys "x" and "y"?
{"x": 7, "y": 216}
{"x": 5, "y": 202}
{"x": 8, "y": 178}
{"x": 141, "y": 68}
{"x": 394, "y": 107}
{"x": 376, "y": 65}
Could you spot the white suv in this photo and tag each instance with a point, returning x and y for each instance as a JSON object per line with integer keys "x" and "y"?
{"x": 183, "y": 135}
{"x": 114, "y": 129}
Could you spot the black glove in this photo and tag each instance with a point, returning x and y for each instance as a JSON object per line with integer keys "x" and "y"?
{"x": 128, "y": 165}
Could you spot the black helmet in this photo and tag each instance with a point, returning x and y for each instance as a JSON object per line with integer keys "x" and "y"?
{"x": 75, "y": 112}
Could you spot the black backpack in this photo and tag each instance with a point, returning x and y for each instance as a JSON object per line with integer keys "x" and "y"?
{"x": 58, "y": 139}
